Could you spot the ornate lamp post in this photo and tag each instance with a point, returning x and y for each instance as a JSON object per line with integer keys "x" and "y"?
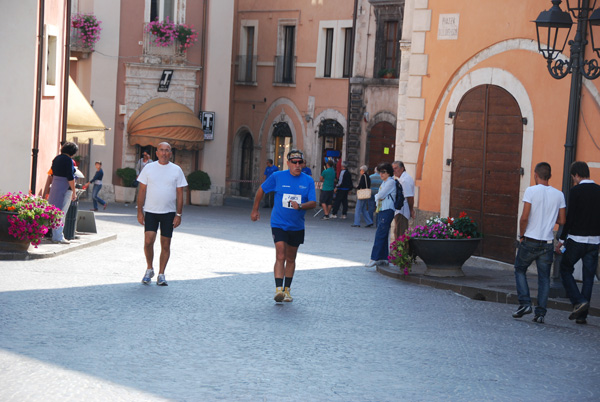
{"x": 554, "y": 26}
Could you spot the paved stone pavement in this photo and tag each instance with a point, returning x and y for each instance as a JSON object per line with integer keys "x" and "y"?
{"x": 80, "y": 326}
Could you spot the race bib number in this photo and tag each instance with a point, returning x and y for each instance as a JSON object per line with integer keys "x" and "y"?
{"x": 288, "y": 198}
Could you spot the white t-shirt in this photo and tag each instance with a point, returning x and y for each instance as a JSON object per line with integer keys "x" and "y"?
{"x": 162, "y": 182}
{"x": 408, "y": 189}
{"x": 545, "y": 202}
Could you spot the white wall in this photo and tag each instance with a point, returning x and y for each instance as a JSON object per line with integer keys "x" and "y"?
{"x": 18, "y": 49}
{"x": 217, "y": 91}
{"x": 104, "y": 80}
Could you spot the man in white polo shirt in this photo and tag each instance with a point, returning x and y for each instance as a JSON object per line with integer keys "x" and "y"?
{"x": 160, "y": 204}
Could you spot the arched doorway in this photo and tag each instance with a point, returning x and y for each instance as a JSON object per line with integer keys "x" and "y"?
{"x": 486, "y": 167}
{"x": 382, "y": 143}
{"x": 246, "y": 166}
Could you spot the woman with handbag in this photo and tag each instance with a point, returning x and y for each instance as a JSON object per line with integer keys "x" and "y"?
{"x": 363, "y": 195}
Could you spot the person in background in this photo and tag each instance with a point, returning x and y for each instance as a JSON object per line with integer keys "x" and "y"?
{"x": 306, "y": 169}
{"x": 385, "y": 208}
{"x": 269, "y": 170}
{"x": 97, "y": 182}
{"x": 143, "y": 161}
{"x": 294, "y": 194}
{"x": 326, "y": 197}
{"x": 62, "y": 190}
{"x": 581, "y": 238}
{"x": 400, "y": 223}
{"x": 375, "y": 184}
{"x": 341, "y": 191}
{"x": 362, "y": 205}
{"x": 543, "y": 207}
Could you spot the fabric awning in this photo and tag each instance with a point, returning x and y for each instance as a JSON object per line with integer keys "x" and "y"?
{"x": 163, "y": 119}
{"x": 82, "y": 121}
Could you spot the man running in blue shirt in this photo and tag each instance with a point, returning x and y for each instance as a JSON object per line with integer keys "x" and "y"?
{"x": 294, "y": 194}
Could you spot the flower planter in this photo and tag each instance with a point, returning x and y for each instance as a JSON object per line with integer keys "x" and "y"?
{"x": 444, "y": 257}
{"x": 7, "y": 241}
{"x": 124, "y": 194}
{"x": 200, "y": 197}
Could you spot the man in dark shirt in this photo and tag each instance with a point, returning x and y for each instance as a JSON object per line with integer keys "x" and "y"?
{"x": 581, "y": 238}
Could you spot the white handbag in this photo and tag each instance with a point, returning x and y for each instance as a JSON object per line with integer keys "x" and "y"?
{"x": 363, "y": 193}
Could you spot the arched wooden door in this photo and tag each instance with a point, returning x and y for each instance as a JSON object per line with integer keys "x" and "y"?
{"x": 382, "y": 143}
{"x": 486, "y": 167}
{"x": 246, "y": 166}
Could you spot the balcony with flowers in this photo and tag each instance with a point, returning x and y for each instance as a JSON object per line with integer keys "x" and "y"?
{"x": 85, "y": 33}
{"x": 167, "y": 43}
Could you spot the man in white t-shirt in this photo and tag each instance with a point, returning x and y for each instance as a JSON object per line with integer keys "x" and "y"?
{"x": 402, "y": 216}
{"x": 543, "y": 207}
{"x": 160, "y": 204}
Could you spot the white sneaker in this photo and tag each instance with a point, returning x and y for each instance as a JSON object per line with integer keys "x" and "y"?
{"x": 371, "y": 263}
{"x": 148, "y": 276}
{"x": 333, "y": 216}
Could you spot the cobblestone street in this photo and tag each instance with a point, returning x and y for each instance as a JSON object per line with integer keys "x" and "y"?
{"x": 81, "y": 326}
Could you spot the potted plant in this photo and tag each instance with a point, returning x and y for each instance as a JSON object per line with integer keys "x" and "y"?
{"x": 387, "y": 73}
{"x": 444, "y": 244}
{"x": 125, "y": 193}
{"x": 86, "y": 30}
{"x": 25, "y": 219}
{"x": 163, "y": 32}
{"x": 199, "y": 185}
{"x": 186, "y": 36}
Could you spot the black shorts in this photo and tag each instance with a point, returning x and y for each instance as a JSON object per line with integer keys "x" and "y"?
{"x": 326, "y": 197}
{"x": 293, "y": 238}
{"x": 165, "y": 221}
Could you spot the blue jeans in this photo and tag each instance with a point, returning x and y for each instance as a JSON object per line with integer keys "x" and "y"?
{"x": 371, "y": 207}
{"x": 361, "y": 210}
{"x": 588, "y": 254}
{"x": 543, "y": 255}
{"x": 381, "y": 248}
{"x": 95, "y": 197}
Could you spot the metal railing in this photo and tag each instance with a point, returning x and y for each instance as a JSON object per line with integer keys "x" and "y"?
{"x": 245, "y": 69}
{"x": 285, "y": 70}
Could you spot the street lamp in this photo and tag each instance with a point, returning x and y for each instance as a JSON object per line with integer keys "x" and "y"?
{"x": 554, "y": 26}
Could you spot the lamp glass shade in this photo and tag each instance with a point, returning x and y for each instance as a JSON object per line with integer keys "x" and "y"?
{"x": 577, "y": 7}
{"x": 594, "y": 21}
{"x": 553, "y": 27}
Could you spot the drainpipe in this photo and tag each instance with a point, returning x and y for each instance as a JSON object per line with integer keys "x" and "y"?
{"x": 202, "y": 67}
{"x": 66, "y": 73}
{"x": 351, "y": 75}
{"x": 38, "y": 96}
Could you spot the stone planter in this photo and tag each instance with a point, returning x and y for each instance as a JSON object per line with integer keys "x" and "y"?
{"x": 8, "y": 243}
{"x": 444, "y": 257}
{"x": 200, "y": 197}
{"x": 124, "y": 194}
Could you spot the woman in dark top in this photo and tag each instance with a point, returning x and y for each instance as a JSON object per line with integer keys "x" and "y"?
{"x": 62, "y": 191}
{"x": 362, "y": 205}
{"x": 97, "y": 182}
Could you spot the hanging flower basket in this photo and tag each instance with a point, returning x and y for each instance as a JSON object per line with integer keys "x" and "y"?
{"x": 86, "y": 30}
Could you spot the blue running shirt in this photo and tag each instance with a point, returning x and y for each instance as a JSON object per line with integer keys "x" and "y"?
{"x": 289, "y": 188}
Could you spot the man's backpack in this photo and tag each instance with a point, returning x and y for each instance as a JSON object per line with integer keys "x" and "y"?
{"x": 399, "y": 200}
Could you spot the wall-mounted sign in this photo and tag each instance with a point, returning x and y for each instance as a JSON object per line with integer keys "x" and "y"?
{"x": 208, "y": 124}
{"x": 448, "y": 27}
{"x": 165, "y": 80}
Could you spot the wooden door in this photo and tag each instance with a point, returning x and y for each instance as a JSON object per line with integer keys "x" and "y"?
{"x": 486, "y": 167}
{"x": 382, "y": 142}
